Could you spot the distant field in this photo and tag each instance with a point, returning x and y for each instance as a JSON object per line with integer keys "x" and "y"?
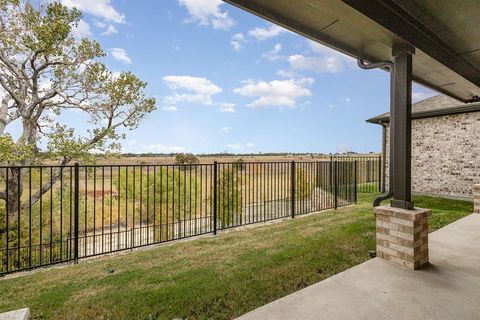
{"x": 148, "y": 199}
{"x": 228, "y": 158}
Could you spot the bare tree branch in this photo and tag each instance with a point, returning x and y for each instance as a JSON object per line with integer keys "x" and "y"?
{"x": 56, "y": 174}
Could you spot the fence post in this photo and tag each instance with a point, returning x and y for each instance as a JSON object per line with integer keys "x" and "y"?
{"x": 355, "y": 180}
{"x": 292, "y": 189}
{"x": 336, "y": 183}
{"x": 215, "y": 182}
{"x": 76, "y": 211}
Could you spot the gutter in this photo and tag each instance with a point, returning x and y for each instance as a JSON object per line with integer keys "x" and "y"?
{"x": 431, "y": 113}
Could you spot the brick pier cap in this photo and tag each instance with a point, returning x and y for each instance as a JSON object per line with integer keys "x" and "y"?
{"x": 402, "y": 235}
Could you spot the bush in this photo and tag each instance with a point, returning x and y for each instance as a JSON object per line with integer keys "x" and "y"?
{"x": 154, "y": 188}
{"x": 239, "y": 164}
{"x": 229, "y": 197}
{"x": 303, "y": 185}
{"x": 47, "y": 217}
{"x": 186, "y": 158}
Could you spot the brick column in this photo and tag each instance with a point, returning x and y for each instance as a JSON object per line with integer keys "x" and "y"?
{"x": 402, "y": 236}
{"x": 476, "y": 198}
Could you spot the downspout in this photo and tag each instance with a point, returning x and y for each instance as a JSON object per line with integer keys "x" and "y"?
{"x": 391, "y": 67}
{"x": 384, "y": 153}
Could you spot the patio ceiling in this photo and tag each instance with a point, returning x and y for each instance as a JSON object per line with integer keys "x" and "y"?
{"x": 445, "y": 33}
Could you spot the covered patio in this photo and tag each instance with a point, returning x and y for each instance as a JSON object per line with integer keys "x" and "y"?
{"x": 447, "y": 289}
{"x": 435, "y": 43}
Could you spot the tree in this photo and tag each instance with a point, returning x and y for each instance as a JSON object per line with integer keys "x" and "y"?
{"x": 44, "y": 72}
{"x": 186, "y": 158}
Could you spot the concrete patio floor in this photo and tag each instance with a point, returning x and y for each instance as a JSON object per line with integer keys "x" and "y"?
{"x": 447, "y": 289}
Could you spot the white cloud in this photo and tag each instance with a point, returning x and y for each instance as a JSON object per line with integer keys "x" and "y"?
{"x": 99, "y": 8}
{"x": 160, "y": 148}
{"x": 169, "y": 108}
{"x": 208, "y": 12}
{"x": 133, "y": 145}
{"x": 196, "y": 84}
{"x": 324, "y": 60}
{"x": 120, "y": 55}
{"x": 81, "y": 30}
{"x": 347, "y": 100}
{"x": 227, "y": 107}
{"x": 322, "y": 49}
{"x": 109, "y": 30}
{"x": 189, "y": 89}
{"x": 276, "y": 93}
{"x": 419, "y": 95}
{"x": 237, "y": 41}
{"x": 100, "y": 24}
{"x": 287, "y": 73}
{"x": 238, "y": 147}
{"x": 328, "y": 52}
{"x": 325, "y": 64}
{"x": 269, "y": 32}
{"x": 177, "y": 98}
{"x": 225, "y": 129}
{"x": 273, "y": 54}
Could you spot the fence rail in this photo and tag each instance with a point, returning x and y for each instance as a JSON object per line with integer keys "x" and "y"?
{"x": 59, "y": 214}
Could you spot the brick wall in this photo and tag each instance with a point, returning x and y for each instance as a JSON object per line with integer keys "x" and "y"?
{"x": 445, "y": 154}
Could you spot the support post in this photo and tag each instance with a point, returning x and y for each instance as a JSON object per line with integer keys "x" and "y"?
{"x": 401, "y": 230}
{"x": 401, "y": 127}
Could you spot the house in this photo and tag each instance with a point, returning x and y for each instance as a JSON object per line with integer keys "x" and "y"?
{"x": 445, "y": 146}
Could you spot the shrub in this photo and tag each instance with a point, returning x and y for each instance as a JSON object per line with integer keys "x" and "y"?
{"x": 154, "y": 189}
{"x": 229, "y": 197}
{"x": 186, "y": 158}
{"x": 239, "y": 164}
{"x": 45, "y": 217}
{"x": 303, "y": 185}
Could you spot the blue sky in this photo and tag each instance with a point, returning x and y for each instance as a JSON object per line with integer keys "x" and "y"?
{"x": 226, "y": 80}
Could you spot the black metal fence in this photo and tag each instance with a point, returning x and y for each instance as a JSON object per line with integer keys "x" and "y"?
{"x": 369, "y": 172}
{"x": 58, "y": 214}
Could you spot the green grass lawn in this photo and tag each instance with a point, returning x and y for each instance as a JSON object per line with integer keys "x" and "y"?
{"x": 211, "y": 278}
